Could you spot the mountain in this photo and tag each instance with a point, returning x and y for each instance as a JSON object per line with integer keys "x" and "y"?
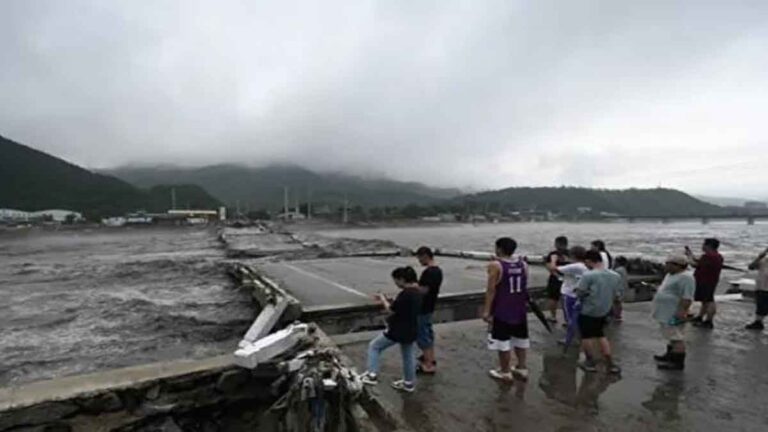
{"x": 567, "y": 200}
{"x": 32, "y": 180}
{"x": 724, "y": 201}
{"x": 263, "y": 188}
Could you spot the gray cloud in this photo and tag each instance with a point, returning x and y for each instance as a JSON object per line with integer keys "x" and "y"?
{"x": 484, "y": 94}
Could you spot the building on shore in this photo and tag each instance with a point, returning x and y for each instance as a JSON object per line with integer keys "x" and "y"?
{"x": 52, "y": 215}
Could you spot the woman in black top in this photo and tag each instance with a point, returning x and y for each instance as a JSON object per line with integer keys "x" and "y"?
{"x": 401, "y": 329}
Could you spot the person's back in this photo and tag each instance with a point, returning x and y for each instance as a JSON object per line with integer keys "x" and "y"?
{"x": 708, "y": 269}
{"x": 673, "y": 288}
{"x": 624, "y": 274}
{"x": 572, "y": 273}
{"x": 510, "y": 304}
{"x": 597, "y": 290}
{"x": 402, "y": 322}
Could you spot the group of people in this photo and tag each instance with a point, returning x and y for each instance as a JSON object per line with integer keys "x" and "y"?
{"x": 587, "y": 284}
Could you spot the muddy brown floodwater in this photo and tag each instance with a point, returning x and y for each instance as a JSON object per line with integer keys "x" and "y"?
{"x": 79, "y": 301}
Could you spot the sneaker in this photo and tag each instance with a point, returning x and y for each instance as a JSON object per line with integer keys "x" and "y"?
{"x": 704, "y": 324}
{"x": 696, "y": 319}
{"x": 501, "y": 376}
{"x": 369, "y": 378}
{"x": 404, "y": 385}
{"x": 520, "y": 373}
{"x": 613, "y": 369}
{"x": 588, "y": 366}
{"x": 757, "y": 325}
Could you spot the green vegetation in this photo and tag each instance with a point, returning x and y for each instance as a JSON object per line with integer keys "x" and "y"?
{"x": 32, "y": 180}
{"x": 568, "y": 201}
{"x": 262, "y": 188}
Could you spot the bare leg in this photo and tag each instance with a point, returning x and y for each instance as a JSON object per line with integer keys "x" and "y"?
{"x": 520, "y": 353}
{"x": 710, "y": 310}
{"x": 552, "y": 306}
{"x": 428, "y": 364}
{"x": 505, "y": 358}
{"x": 588, "y": 347}
{"x": 678, "y": 346}
{"x": 605, "y": 347}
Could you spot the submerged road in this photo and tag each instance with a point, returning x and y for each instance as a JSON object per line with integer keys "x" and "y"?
{"x": 336, "y": 281}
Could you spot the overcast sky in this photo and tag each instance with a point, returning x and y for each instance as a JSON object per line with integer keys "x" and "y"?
{"x": 475, "y": 93}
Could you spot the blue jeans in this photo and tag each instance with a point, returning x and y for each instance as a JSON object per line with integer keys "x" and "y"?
{"x": 426, "y": 337}
{"x": 381, "y": 343}
{"x": 571, "y": 310}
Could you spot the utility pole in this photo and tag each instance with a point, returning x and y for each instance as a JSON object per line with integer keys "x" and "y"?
{"x": 346, "y": 211}
{"x": 173, "y": 198}
{"x": 285, "y": 201}
{"x": 309, "y": 203}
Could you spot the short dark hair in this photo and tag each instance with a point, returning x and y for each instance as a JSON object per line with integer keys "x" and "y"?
{"x": 578, "y": 253}
{"x": 506, "y": 245}
{"x": 599, "y": 244}
{"x": 425, "y": 251}
{"x": 712, "y": 242}
{"x": 561, "y": 240}
{"x": 407, "y": 274}
{"x": 593, "y": 255}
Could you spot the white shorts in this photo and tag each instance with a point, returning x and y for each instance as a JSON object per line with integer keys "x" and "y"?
{"x": 507, "y": 345}
{"x": 673, "y": 333}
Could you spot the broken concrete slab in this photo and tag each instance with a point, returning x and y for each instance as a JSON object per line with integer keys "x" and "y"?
{"x": 271, "y": 346}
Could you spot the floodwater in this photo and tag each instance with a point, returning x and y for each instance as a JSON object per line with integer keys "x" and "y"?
{"x": 80, "y": 301}
{"x": 654, "y": 240}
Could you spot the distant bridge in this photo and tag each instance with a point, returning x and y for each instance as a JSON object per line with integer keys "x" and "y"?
{"x": 705, "y": 219}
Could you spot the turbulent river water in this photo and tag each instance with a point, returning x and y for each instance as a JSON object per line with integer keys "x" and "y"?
{"x": 80, "y": 301}
{"x": 740, "y": 242}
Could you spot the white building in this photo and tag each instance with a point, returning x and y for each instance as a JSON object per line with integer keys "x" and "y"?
{"x": 14, "y": 215}
{"x": 57, "y": 215}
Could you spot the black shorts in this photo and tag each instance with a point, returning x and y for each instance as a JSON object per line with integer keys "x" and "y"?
{"x": 502, "y": 331}
{"x": 704, "y": 294}
{"x": 761, "y": 300}
{"x": 553, "y": 288}
{"x": 591, "y": 327}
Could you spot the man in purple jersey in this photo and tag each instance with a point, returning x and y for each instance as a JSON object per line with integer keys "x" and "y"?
{"x": 506, "y": 310}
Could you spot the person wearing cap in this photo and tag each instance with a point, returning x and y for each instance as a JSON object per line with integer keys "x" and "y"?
{"x": 670, "y": 309}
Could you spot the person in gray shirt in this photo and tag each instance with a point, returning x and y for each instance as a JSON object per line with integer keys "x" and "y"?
{"x": 597, "y": 290}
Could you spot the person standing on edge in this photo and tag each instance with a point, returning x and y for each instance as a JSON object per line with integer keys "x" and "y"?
{"x": 597, "y": 290}
{"x": 401, "y": 329}
{"x": 761, "y": 290}
{"x": 571, "y": 275}
{"x": 707, "y": 275}
{"x": 555, "y": 259}
{"x": 430, "y": 281}
{"x": 670, "y": 308}
{"x": 506, "y": 310}
{"x": 621, "y": 264}
{"x": 599, "y": 245}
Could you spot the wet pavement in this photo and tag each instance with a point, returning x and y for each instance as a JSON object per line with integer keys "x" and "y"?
{"x": 724, "y": 386}
{"x": 335, "y": 281}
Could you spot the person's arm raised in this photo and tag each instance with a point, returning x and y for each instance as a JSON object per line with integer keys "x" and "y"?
{"x": 754, "y": 265}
